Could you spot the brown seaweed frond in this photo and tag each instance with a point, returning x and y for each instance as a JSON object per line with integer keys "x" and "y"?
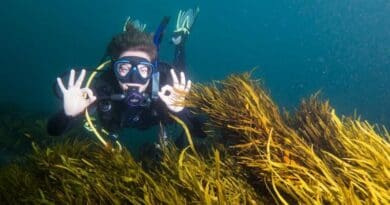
{"x": 364, "y": 160}
{"x": 213, "y": 179}
{"x": 77, "y": 172}
{"x": 239, "y": 104}
{"x": 358, "y": 151}
{"x": 313, "y": 121}
{"x": 294, "y": 161}
{"x": 83, "y": 172}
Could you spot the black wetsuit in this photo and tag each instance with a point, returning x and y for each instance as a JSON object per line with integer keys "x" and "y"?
{"x": 116, "y": 115}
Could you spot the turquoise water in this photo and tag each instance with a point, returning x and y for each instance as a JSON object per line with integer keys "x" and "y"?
{"x": 341, "y": 47}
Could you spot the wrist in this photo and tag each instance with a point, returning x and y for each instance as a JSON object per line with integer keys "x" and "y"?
{"x": 175, "y": 109}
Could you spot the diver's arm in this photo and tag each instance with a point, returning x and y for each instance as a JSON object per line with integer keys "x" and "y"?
{"x": 184, "y": 22}
{"x": 175, "y": 102}
{"x": 76, "y": 100}
{"x": 59, "y": 123}
{"x": 179, "y": 57}
{"x": 193, "y": 122}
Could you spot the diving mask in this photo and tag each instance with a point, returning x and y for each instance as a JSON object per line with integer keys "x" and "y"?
{"x": 133, "y": 69}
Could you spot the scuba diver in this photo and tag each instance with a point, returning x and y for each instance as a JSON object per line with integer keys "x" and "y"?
{"x": 137, "y": 90}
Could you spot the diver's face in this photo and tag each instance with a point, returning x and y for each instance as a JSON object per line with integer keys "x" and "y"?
{"x": 143, "y": 70}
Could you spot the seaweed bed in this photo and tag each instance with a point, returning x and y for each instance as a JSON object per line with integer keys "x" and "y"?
{"x": 254, "y": 155}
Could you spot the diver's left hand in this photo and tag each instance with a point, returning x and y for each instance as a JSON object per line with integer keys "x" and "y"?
{"x": 174, "y": 96}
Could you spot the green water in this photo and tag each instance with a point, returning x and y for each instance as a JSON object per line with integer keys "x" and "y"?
{"x": 299, "y": 47}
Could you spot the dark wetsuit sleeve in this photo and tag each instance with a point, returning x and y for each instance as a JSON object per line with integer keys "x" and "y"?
{"x": 193, "y": 122}
{"x": 179, "y": 58}
{"x": 59, "y": 123}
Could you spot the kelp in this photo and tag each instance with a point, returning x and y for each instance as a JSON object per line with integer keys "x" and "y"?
{"x": 74, "y": 172}
{"x": 257, "y": 155}
{"x": 209, "y": 179}
{"x": 83, "y": 172}
{"x": 312, "y": 158}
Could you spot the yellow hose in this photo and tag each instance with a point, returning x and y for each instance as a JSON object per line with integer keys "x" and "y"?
{"x": 87, "y": 116}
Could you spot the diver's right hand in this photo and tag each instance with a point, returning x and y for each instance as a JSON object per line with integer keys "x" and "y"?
{"x": 76, "y": 99}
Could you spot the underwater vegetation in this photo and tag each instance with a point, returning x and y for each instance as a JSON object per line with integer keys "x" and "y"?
{"x": 255, "y": 155}
{"x": 312, "y": 157}
{"x": 83, "y": 172}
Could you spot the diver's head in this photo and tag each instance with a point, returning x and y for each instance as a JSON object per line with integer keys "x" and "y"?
{"x": 132, "y": 54}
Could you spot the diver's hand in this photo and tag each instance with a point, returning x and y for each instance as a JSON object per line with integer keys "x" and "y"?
{"x": 76, "y": 99}
{"x": 174, "y": 96}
